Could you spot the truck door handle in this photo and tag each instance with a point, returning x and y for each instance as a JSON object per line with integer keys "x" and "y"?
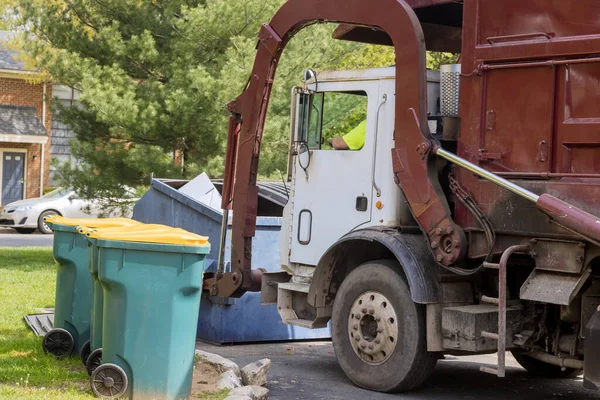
{"x": 362, "y": 203}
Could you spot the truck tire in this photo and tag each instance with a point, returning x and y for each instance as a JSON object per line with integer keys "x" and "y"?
{"x": 378, "y": 332}
{"x": 542, "y": 369}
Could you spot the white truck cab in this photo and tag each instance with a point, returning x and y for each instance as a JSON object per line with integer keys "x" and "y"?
{"x": 334, "y": 192}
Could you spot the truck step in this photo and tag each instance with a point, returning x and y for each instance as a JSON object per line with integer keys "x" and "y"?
{"x": 294, "y": 309}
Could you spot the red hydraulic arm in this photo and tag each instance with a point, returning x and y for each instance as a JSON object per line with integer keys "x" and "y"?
{"x": 414, "y": 169}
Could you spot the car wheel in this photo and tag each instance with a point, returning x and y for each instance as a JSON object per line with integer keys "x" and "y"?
{"x": 378, "y": 331}
{"x": 25, "y": 230}
{"x": 42, "y": 226}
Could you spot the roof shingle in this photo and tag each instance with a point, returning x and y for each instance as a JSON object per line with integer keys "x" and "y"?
{"x": 16, "y": 120}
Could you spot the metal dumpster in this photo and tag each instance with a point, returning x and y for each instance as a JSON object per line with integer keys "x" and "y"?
{"x": 228, "y": 320}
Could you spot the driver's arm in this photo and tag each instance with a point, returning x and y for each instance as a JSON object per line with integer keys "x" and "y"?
{"x": 338, "y": 143}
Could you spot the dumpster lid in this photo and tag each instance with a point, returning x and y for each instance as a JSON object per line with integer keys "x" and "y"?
{"x": 90, "y": 222}
{"x": 176, "y": 236}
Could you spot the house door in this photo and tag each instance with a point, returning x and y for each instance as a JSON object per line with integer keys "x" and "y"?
{"x": 13, "y": 170}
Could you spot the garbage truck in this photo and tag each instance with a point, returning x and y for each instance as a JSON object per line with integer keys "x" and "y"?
{"x": 468, "y": 221}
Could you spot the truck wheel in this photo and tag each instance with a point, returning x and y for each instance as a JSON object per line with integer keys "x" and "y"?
{"x": 378, "y": 332}
{"x": 540, "y": 368}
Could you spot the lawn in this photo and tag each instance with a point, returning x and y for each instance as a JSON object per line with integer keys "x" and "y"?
{"x": 27, "y": 282}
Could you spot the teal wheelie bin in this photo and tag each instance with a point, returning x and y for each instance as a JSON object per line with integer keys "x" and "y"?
{"x": 95, "y": 356}
{"x": 152, "y": 284}
{"x": 74, "y": 291}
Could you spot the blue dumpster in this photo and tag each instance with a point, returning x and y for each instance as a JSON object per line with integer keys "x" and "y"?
{"x": 228, "y": 320}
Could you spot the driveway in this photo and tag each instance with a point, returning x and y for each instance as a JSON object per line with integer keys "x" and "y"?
{"x": 10, "y": 238}
{"x": 309, "y": 370}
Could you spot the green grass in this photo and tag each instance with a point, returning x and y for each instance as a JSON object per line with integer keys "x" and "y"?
{"x": 27, "y": 282}
{"x": 213, "y": 396}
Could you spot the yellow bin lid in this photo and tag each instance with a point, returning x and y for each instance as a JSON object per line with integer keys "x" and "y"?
{"x": 91, "y": 222}
{"x": 174, "y": 236}
{"x": 87, "y": 230}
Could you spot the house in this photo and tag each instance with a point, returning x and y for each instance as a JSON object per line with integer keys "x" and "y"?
{"x": 25, "y": 126}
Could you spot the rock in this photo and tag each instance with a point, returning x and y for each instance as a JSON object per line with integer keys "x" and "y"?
{"x": 228, "y": 380}
{"x": 221, "y": 364}
{"x": 243, "y": 391}
{"x": 256, "y": 372}
{"x": 260, "y": 393}
{"x": 236, "y": 397}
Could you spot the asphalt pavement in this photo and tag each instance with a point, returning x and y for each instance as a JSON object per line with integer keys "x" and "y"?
{"x": 10, "y": 238}
{"x": 309, "y": 370}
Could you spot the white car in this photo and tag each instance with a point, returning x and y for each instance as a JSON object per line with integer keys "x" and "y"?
{"x": 25, "y": 216}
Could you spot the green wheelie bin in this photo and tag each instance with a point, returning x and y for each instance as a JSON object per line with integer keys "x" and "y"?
{"x": 95, "y": 357}
{"x": 74, "y": 291}
{"x": 152, "y": 285}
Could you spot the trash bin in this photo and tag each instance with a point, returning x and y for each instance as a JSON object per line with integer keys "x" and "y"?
{"x": 95, "y": 356}
{"x": 152, "y": 285}
{"x": 73, "y": 286}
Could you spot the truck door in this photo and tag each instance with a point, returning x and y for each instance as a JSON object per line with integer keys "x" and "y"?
{"x": 332, "y": 188}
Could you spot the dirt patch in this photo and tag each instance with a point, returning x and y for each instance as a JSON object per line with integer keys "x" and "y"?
{"x": 204, "y": 380}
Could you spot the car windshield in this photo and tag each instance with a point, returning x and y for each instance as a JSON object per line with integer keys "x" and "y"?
{"x": 56, "y": 194}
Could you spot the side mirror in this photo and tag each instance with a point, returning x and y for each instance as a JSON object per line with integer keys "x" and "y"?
{"x": 304, "y": 101}
{"x": 309, "y": 74}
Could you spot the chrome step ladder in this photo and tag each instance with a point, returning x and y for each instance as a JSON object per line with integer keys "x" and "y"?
{"x": 500, "y": 336}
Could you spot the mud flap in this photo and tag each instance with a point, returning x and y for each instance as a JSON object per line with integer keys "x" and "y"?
{"x": 591, "y": 379}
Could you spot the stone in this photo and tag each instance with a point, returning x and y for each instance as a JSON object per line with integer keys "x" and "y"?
{"x": 228, "y": 380}
{"x": 220, "y": 364}
{"x": 256, "y": 372}
{"x": 243, "y": 391}
{"x": 260, "y": 393}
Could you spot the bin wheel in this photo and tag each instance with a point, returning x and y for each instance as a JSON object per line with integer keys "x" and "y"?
{"x": 58, "y": 342}
{"x": 86, "y": 350}
{"x": 109, "y": 381}
{"x": 94, "y": 361}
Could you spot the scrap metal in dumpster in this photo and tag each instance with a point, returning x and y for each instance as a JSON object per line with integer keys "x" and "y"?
{"x": 228, "y": 320}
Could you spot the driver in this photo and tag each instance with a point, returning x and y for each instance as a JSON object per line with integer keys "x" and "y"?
{"x": 353, "y": 140}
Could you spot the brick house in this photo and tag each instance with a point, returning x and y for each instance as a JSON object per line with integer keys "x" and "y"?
{"x": 25, "y": 126}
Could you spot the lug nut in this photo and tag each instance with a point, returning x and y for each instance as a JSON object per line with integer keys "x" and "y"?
{"x": 378, "y": 319}
{"x": 357, "y": 338}
{"x": 355, "y": 327}
{"x": 379, "y": 330}
{"x": 439, "y": 258}
{"x": 434, "y": 245}
{"x": 438, "y": 231}
{"x": 371, "y": 311}
{"x": 357, "y": 316}
{"x": 449, "y": 230}
{"x": 363, "y": 346}
{"x": 377, "y": 341}
{"x": 364, "y": 310}
{"x": 370, "y": 347}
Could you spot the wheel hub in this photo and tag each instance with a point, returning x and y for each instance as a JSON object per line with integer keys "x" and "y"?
{"x": 109, "y": 382}
{"x": 373, "y": 327}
